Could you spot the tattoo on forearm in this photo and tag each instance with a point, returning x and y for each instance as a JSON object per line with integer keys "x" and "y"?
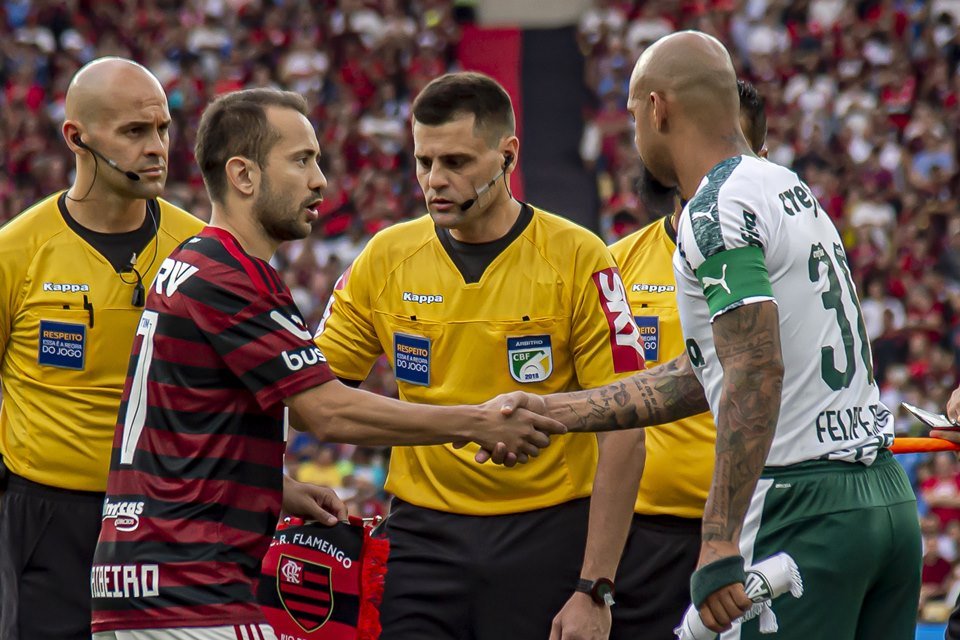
{"x": 655, "y": 396}
{"x": 747, "y": 341}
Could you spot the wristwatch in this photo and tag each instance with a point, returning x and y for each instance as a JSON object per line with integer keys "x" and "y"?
{"x": 601, "y": 590}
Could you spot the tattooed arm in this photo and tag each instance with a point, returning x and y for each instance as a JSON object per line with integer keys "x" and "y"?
{"x": 747, "y": 341}
{"x": 654, "y": 396}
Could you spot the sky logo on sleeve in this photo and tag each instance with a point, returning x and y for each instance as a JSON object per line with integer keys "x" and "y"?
{"x": 624, "y": 335}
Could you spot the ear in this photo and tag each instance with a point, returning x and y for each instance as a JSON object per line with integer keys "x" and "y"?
{"x": 71, "y": 133}
{"x": 243, "y": 175}
{"x": 658, "y": 111}
{"x": 510, "y": 150}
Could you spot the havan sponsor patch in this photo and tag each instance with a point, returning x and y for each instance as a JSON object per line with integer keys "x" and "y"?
{"x": 411, "y": 358}
{"x": 530, "y": 358}
{"x": 62, "y": 344}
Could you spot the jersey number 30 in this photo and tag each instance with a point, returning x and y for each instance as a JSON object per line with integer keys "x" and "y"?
{"x": 136, "y": 415}
{"x": 836, "y": 378}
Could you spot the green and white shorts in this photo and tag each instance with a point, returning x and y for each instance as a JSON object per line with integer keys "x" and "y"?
{"x": 854, "y": 533}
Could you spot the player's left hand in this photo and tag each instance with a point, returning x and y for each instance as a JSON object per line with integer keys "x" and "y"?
{"x": 726, "y": 604}
{"x": 312, "y": 502}
{"x": 581, "y": 619}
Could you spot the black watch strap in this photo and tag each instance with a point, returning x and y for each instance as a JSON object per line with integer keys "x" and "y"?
{"x": 600, "y": 590}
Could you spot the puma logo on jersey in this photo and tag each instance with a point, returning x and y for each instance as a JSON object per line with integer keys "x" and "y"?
{"x": 696, "y": 215}
{"x": 293, "y": 324}
{"x": 717, "y": 282}
{"x": 172, "y": 273}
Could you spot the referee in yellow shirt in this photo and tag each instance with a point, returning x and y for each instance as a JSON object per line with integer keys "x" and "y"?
{"x": 482, "y": 296}
{"x": 661, "y": 552}
{"x": 73, "y": 273}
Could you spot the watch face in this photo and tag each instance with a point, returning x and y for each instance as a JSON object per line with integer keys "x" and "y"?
{"x": 602, "y": 591}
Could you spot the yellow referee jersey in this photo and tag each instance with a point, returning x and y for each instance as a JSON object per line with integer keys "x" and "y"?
{"x": 548, "y": 315}
{"x": 679, "y": 465}
{"x": 66, "y": 328}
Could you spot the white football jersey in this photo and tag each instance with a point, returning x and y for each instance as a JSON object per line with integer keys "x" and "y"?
{"x": 753, "y": 232}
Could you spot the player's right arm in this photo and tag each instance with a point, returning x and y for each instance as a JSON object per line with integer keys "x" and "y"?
{"x": 655, "y": 396}
{"x": 661, "y": 395}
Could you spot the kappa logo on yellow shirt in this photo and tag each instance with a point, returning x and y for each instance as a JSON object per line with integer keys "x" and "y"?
{"x": 530, "y": 358}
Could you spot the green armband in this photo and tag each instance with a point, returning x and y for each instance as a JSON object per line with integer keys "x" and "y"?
{"x": 715, "y": 575}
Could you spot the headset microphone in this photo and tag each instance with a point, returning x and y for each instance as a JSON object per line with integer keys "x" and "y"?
{"x": 83, "y": 145}
{"x": 466, "y": 204}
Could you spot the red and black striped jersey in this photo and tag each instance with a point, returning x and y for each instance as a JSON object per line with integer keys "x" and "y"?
{"x": 195, "y": 483}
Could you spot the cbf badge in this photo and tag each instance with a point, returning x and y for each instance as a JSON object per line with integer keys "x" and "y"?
{"x": 649, "y": 327}
{"x": 411, "y": 358}
{"x": 62, "y": 344}
{"x": 530, "y": 358}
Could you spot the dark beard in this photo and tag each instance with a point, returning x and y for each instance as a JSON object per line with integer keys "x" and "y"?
{"x": 657, "y": 198}
{"x": 280, "y": 229}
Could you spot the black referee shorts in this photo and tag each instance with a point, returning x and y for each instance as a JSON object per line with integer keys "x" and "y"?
{"x": 47, "y": 540}
{"x": 653, "y": 580}
{"x": 456, "y": 577}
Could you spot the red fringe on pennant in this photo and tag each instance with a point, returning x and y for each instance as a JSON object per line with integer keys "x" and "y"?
{"x": 373, "y": 573}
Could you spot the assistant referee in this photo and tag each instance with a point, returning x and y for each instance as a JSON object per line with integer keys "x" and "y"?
{"x": 73, "y": 273}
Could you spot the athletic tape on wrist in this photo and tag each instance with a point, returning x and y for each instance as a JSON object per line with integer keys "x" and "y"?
{"x": 715, "y": 575}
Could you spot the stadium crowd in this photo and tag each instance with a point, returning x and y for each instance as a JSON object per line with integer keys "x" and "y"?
{"x": 862, "y": 99}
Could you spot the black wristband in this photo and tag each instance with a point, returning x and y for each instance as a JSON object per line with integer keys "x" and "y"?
{"x": 715, "y": 575}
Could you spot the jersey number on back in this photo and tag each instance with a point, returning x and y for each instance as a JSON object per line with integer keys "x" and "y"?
{"x": 832, "y": 298}
{"x": 136, "y": 415}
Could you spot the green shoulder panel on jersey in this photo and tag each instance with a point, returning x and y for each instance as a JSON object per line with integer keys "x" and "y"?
{"x": 705, "y": 212}
{"x": 730, "y": 277}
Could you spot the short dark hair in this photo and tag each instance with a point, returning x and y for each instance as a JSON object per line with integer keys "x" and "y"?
{"x": 235, "y": 124}
{"x": 459, "y": 94}
{"x": 752, "y": 106}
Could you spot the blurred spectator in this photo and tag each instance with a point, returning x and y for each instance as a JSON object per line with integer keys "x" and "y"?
{"x": 941, "y": 491}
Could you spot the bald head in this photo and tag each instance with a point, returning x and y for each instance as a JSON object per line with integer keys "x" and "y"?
{"x": 106, "y": 87}
{"x": 694, "y": 71}
{"x": 117, "y": 110}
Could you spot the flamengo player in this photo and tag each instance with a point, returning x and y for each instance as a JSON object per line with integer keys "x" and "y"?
{"x": 195, "y": 481}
